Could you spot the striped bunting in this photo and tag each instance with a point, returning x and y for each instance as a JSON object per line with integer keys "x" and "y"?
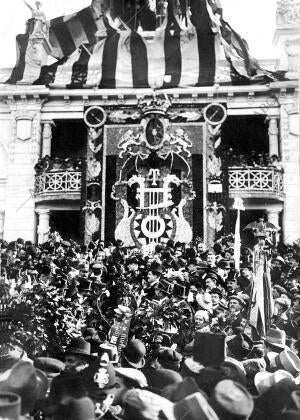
{"x": 197, "y": 52}
{"x": 68, "y": 32}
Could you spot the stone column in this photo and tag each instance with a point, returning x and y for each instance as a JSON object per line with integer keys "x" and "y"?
{"x": 273, "y": 216}
{"x": 43, "y": 227}
{"x": 47, "y": 138}
{"x": 273, "y": 136}
{"x": 2, "y": 215}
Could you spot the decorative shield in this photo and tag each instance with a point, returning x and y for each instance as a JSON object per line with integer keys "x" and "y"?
{"x": 24, "y": 128}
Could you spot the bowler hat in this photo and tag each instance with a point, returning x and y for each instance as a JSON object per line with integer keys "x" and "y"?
{"x": 10, "y": 406}
{"x": 224, "y": 264}
{"x": 134, "y": 353}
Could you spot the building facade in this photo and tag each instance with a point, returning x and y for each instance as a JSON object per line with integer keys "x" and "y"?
{"x": 144, "y": 164}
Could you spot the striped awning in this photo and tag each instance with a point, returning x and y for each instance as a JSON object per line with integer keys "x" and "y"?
{"x": 199, "y": 51}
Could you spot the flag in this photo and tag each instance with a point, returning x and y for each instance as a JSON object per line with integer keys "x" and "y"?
{"x": 22, "y": 45}
{"x": 67, "y": 33}
{"x": 260, "y": 309}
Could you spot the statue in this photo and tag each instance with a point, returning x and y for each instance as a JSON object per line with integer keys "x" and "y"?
{"x": 39, "y": 16}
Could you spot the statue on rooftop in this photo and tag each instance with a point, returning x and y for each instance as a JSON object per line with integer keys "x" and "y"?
{"x": 39, "y": 16}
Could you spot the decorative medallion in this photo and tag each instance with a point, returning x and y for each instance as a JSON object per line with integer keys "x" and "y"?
{"x": 94, "y": 117}
{"x": 215, "y": 113}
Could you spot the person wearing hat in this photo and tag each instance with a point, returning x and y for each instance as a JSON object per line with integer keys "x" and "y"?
{"x": 102, "y": 386}
{"x": 24, "y": 380}
{"x": 169, "y": 359}
{"x": 211, "y": 259}
{"x": 133, "y": 355}
{"x": 216, "y": 297}
{"x": 77, "y": 355}
{"x": 239, "y": 346}
{"x": 231, "y": 401}
{"x": 275, "y": 341}
{"x": 153, "y": 277}
{"x": 211, "y": 280}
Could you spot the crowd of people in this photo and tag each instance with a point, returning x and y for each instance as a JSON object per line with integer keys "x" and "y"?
{"x": 103, "y": 331}
{"x": 56, "y": 164}
{"x": 253, "y": 159}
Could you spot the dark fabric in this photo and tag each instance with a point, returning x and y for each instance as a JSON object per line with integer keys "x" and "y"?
{"x": 139, "y": 61}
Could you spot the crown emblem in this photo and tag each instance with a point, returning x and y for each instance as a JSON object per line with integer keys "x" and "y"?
{"x": 154, "y": 104}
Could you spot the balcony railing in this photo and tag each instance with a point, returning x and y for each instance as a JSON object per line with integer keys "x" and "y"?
{"x": 255, "y": 180}
{"x": 49, "y": 183}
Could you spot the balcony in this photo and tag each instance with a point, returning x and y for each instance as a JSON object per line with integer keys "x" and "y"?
{"x": 256, "y": 182}
{"x": 58, "y": 185}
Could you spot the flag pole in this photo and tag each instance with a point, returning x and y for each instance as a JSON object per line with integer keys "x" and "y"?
{"x": 237, "y": 205}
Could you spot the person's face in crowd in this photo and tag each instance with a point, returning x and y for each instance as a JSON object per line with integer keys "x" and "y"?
{"x": 215, "y": 298}
{"x": 247, "y": 273}
{"x": 152, "y": 277}
{"x": 84, "y": 255}
{"x": 211, "y": 259}
{"x": 163, "y": 244}
{"x": 60, "y": 252}
{"x": 178, "y": 253}
{"x": 234, "y": 306}
{"x": 278, "y": 309}
{"x": 99, "y": 258}
{"x": 192, "y": 269}
{"x": 84, "y": 272}
{"x": 276, "y": 265}
{"x": 292, "y": 282}
{"x": 132, "y": 267}
{"x": 210, "y": 283}
{"x": 231, "y": 285}
{"x": 201, "y": 247}
{"x": 200, "y": 320}
{"x": 296, "y": 299}
{"x": 72, "y": 362}
{"x": 22, "y": 254}
{"x": 227, "y": 255}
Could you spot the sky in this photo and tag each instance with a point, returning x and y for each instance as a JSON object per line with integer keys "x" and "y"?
{"x": 253, "y": 19}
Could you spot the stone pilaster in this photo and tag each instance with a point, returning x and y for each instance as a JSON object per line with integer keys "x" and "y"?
{"x": 24, "y": 151}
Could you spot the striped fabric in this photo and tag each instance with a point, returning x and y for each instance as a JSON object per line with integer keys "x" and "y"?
{"x": 260, "y": 312}
{"x": 68, "y": 32}
{"x": 197, "y": 52}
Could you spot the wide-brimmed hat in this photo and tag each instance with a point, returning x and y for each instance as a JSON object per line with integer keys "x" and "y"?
{"x": 240, "y": 345}
{"x": 276, "y": 338}
{"x": 286, "y": 360}
{"x": 133, "y": 375}
{"x": 29, "y": 383}
{"x": 80, "y": 347}
{"x": 265, "y": 380}
{"x": 169, "y": 358}
{"x": 10, "y": 406}
{"x": 49, "y": 365}
{"x": 134, "y": 353}
{"x": 231, "y": 400}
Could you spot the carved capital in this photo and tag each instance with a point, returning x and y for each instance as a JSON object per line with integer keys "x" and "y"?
{"x": 288, "y": 12}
